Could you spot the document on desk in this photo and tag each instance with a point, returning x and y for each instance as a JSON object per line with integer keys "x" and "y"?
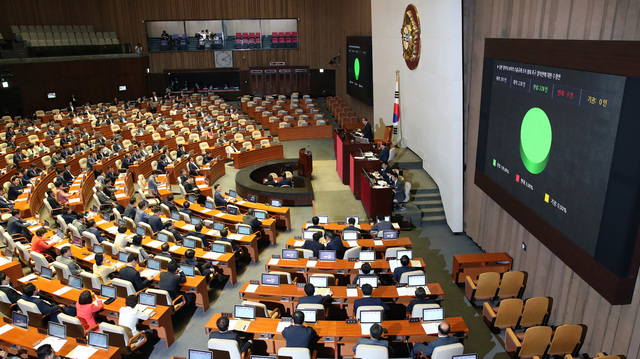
{"x": 430, "y": 328}
{"x": 120, "y": 195}
{"x": 112, "y": 230}
{"x": 219, "y": 214}
{"x": 378, "y": 242}
{"x": 119, "y": 264}
{"x": 240, "y": 203}
{"x": 212, "y": 255}
{"x": 239, "y": 324}
{"x": 416, "y": 263}
{"x": 352, "y": 292}
{"x": 283, "y": 325}
{"x": 311, "y": 264}
{"x": 4, "y": 261}
{"x": 273, "y": 261}
{"x": 405, "y": 291}
{"x": 175, "y": 247}
{"x": 149, "y": 273}
{"x": 207, "y": 211}
{"x": 235, "y": 237}
{"x": 298, "y": 243}
{"x": 251, "y": 288}
{"x": 90, "y": 257}
{"x": 396, "y": 226}
{"x": 102, "y": 221}
{"x": 56, "y": 343}
{"x": 393, "y": 264}
{"x": 5, "y": 328}
{"x": 154, "y": 244}
{"x": 352, "y": 243}
{"x": 27, "y": 278}
{"x": 321, "y": 291}
{"x": 74, "y": 200}
{"x": 365, "y": 329}
{"x": 188, "y": 227}
{"x": 213, "y": 232}
{"x": 81, "y": 352}
{"x": 357, "y": 265}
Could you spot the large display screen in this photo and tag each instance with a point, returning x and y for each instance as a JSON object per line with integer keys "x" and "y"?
{"x": 558, "y": 149}
{"x": 360, "y": 68}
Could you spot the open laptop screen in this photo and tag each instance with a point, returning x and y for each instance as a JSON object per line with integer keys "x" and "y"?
{"x": 108, "y": 291}
{"x": 319, "y": 281}
{"x": 195, "y": 220}
{"x": 433, "y": 314}
{"x": 418, "y": 280}
{"x": 323, "y": 219}
{"x": 148, "y": 299}
{"x": 141, "y": 230}
{"x": 123, "y": 257}
{"x": 406, "y": 252}
{"x": 188, "y": 270}
{"x": 46, "y": 272}
{"x": 370, "y": 316}
{"x": 162, "y": 237}
{"x": 98, "y": 248}
{"x": 289, "y": 253}
{"x": 232, "y": 193}
{"x": 350, "y": 235}
{"x": 276, "y": 203}
{"x": 308, "y": 235}
{"x": 208, "y": 205}
{"x": 175, "y": 216}
{"x": 270, "y": 279}
{"x": 310, "y": 315}
{"x": 98, "y": 340}
{"x": 218, "y": 226}
{"x": 389, "y": 234}
{"x": 261, "y": 215}
{"x": 57, "y": 330}
{"x": 153, "y": 264}
{"x": 20, "y": 320}
{"x": 200, "y": 354}
{"x": 244, "y": 230}
{"x": 372, "y": 280}
{"x": 189, "y": 243}
{"x": 327, "y": 255}
{"x": 252, "y": 198}
{"x": 244, "y": 312}
{"x": 218, "y": 247}
{"x": 233, "y": 210}
{"x": 75, "y": 282}
{"x": 367, "y": 256}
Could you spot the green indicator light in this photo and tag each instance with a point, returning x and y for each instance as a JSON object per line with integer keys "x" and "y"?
{"x": 535, "y": 140}
{"x": 494, "y": 162}
{"x": 356, "y": 68}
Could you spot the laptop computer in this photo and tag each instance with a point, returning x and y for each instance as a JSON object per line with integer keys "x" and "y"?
{"x": 372, "y": 280}
{"x": 162, "y": 237}
{"x": 188, "y": 270}
{"x": 465, "y": 356}
{"x": 323, "y": 219}
{"x": 189, "y": 243}
{"x": 233, "y": 210}
{"x": 431, "y": 318}
{"x": 123, "y": 257}
{"x": 208, "y": 205}
{"x": 98, "y": 340}
{"x": 199, "y": 354}
{"x": 232, "y": 193}
{"x": 327, "y": 255}
{"x": 319, "y": 281}
{"x": 270, "y": 279}
{"x": 141, "y": 230}
{"x": 121, "y": 222}
{"x": 244, "y": 312}
{"x": 191, "y": 198}
{"x": 367, "y": 256}
{"x": 261, "y": 215}
{"x": 75, "y": 282}
{"x": 154, "y": 264}
{"x": 405, "y": 252}
{"x": 195, "y": 220}
{"x": 308, "y": 235}
{"x": 175, "y": 216}
{"x": 108, "y": 291}
{"x": 276, "y": 203}
{"x": 20, "y": 320}
{"x": 218, "y": 226}
{"x": 310, "y": 315}
{"x": 46, "y": 273}
{"x": 289, "y": 253}
{"x": 106, "y": 217}
{"x": 148, "y": 299}
{"x": 98, "y": 248}
{"x": 244, "y": 230}
{"x": 252, "y": 198}
{"x": 57, "y": 330}
{"x": 389, "y": 234}
{"x": 417, "y": 280}
{"x": 350, "y": 235}
{"x": 218, "y": 247}
{"x": 370, "y": 317}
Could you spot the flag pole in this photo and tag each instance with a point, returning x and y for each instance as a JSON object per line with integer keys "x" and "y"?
{"x": 396, "y": 111}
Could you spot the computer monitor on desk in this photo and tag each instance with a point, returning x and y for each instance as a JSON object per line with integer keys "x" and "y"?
{"x": 233, "y": 210}
{"x": 327, "y": 255}
{"x": 188, "y": 270}
{"x": 252, "y": 198}
{"x": 308, "y": 235}
{"x": 98, "y": 248}
{"x": 310, "y": 315}
{"x": 98, "y": 340}
{"x": 276, "y": 203}
{"x": 57, "y": 330}
{"x": 108, "y": 291}
{"x": 148, "y": 299}
{"x": 319, "y": 281}
{"x": 372, "y": 280}
{"x": 208, "y": 205}
{"x": 367, "y": 256}
{"x": 154, "y": 264}
{"x": 232, "y": 193}
{"x": 175, "y": 215}
{"x": 195, "y": 220}
{"x": 123, "y": 257}
{"x": 370, "y": 317}
{"x": 20, "y": 320}
{"x": 200, "y": 354}
{"x": 46, "y": 272}
{"x": 323, "y": 219}
{"x": 189, "y": 243}
{"x": 270, "y": 279}
{"x": 289, "y": 253}
{"x": 141, "y": 230}
{"x": 350, "y": 235}
{"x": 75, "y": 282}
{"x": 417, "y": 280}
{"x": 218, "y": 226}
{"x": 244, "y": 312}
{"x": 162, "y": 237}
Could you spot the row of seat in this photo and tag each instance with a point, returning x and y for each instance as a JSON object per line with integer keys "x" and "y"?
{"x": 51, "y": 28}
{"x": 77, "y": 35}
{"x": 341, "y": 111}
{"x": 490, "y": 286}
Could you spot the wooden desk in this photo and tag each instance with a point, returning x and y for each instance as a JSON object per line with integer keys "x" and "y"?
{"x": 356, "y": 166}
{"x": 214, "y": 170}
{"x": 304, "y": 132}
{"x": 13, "y": 270}
{"x": 281, "y": 214}
{"x": 268, "y": 225}
{"x": 329, "y": 331}
{"x": 161, "y": 321}
{"x": 475, "y": 264}
{"x": 253, "y": 156}
{"x": 28, "y": 338}
{"x": 377, "y": 245}
{"x": 344, "y": 145}
{"x": 289, "y": 294}
{"x": 340, "y": 266}
{"x": 375, "y": 199}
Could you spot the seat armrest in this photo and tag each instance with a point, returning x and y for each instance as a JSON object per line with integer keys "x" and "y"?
{"x": 138, "y": 343}
{"x": 86, "y": 332}
{"x": 488, "y": 314}
{"x": 469, "y": 288}
{"x": 179, "y": 301}
{"x": 511, "y": 341}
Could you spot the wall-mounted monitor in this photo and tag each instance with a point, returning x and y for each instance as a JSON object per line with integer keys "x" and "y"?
{"x": 360, "y": 68}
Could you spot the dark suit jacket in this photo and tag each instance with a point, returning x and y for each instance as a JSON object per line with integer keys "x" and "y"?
{"x": 171, "y": 283}
{"x": 371, "y": 341}
{"x": 219, "y": 201}
{"x": 315, "y": 299}
{"x": 367, "y": 132}
{"x": 155, "y": 223}
{"x": 413, "y": 302}
{"x": 200, "y": 235}
{"x": 253, "y": 222}
{"x": 226, "y": 335}
{"x": 399, "y": 187}
{"x": 285, "y": 181}
{"x": 16, "y": 225}
{"x": 368, "y": 301}
{"x": 172, "y": 207}
{"x": 427, "y": 349}
{"x": 298, "y": 336}
{"x": 131, "y": 274}
{"x": 11, "y": 293}
{"x": 188, "y": 187}
{"x": 14, "y": 192}
{"x": 384, "y": 154}
{"x": 336, "y": 245}
{"x": 382, "y": 226}
{"x": 44, "y": 306}
{"x": 4, "y": 203}
{"x": 194, "y": 169}
{"x": 96, "y": 233}
{"x": 130, "y": 211}
{"x": 314, "y": 246}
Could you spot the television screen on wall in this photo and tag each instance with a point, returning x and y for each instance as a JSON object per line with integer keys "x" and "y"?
{"x": 360, "y": 68}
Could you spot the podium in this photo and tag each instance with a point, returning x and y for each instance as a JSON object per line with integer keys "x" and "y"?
{"x": 305, "y": 163}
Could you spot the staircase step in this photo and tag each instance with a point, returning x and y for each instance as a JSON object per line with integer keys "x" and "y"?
{"x": 408, "y": 165}
{"x": 434, "y": 220}
{"x": 426, "y": 191}
{"x": 423, "y": 204}
{"x": 431, "y": 212}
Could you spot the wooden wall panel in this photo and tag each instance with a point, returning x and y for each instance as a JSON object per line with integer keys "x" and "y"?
{"x": 322, "y": 28}
{"x": 614, "y": 329}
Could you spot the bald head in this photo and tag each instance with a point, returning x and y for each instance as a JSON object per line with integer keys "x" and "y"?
{"x": 444, "y": 329}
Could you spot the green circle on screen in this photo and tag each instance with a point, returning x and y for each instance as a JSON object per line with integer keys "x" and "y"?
{"x": 535, "y": 140}
{"x": 356, "y": 68}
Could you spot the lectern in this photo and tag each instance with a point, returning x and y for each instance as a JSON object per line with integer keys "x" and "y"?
{"x": 305, "y": 163}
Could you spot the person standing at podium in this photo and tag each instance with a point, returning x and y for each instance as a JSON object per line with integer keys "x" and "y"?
{"x": 367, "y": 132}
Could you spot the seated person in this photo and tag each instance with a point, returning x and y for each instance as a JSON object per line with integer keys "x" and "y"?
{"x": 6, "y": 287}
{"x": 204, "y": 269}
{"x": 169, "y": 203}
{"x": 185, "y": 209}
{"x": 32, "y": 294}
{"x": 87, "y": 306}
{"x": 315, "y": 223}
{"x": 92, "y": 228}
{"x": 366, "y": 271}
{"x": 218, "y": 199}
{"x": 286, "y": 181}
{"x": 443, "y": 339}
{"x": 42, "y": 245}
{"x": 102, "y": 269}
{"x": 132, "y": 208}
{"x": 165, "y": 251}
{"x": 352, "y": 226}
{"x": 122, "y": 238}
{"x": 312, "y": 298}
{"x": 154, "y": 220}
{"x": 334, "y": 244}
{"x": 197, "y": 232}
{"x": 314, "y": 244}
{"x": 136, "y": 243}
{"x": 223, "y": 238}
{"x": 66, "y": 259}
{"x": 251, "y": 220}
{"x": 397, "y": 273}
{"x": 381, "y": 224}
{"x": 129, "y": 273}
{"x": 298, "y": 335}
{"x": 224, "y": 333}
{"x": 366, "y": 299}
{"x": 130, "y": 315}
{"x": 270, "y": 181}
{"x": 171, "y": 227}
{"x": 421, "y": 298}
{"x": 375, "y": 332}
{"x": 170, "y": 281}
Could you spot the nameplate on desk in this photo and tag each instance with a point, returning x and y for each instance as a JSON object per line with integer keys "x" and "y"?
{"x": 254, "y": 282}
{"x": 297, "y": 237}
{"x": 349, "y": 286}
{"x": 329, "y": 339}
{"x": 228, "y": 315}
{"x": 414, "y": 320}
{"x": 340, "y": 223}
{"x": 351, "y": 321}
{"x": 285, "y": 299}
{"x": 275, "y": 256}
{"x": 353, "y": 259}
{"x": 300, "y": 285}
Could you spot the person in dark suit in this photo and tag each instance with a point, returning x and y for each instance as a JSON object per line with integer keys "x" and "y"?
{"x": 126, "y": 162}
{"x": 129, "y": 273}
{"x": 194, "y": 169}
{"x": 16, "y": 225}
{"x": 141, "y": 214}
{"x": 224, "y": 333}
{"x": 381, "y": 224}
{"x": 351, "y": 225}
{"x": 397, "y": 273}
{"x": 298, "y": 335}
{"x": 366, "y": 299}
{"x": 217, "y": 197}
{"x": 66, "y": 174}
{"x": 207, "y": 158}
{"x": 7, "y": 288}
{"x": 131, "y": 209}
{"x": 56, "y": 207}
{"x": 286, "y": 181}
{"x": 197, "y": 232}
{"x": 375, "y": 331}
{"x": 314, "y": 244}
{"x": 68, "y": 215}
{"x": 31, "y": 294}
{"x": 188, "y": 185}
{"x": 366, "y": 271}
{"x": 251, "y": 220}
{"x": 398, "y": 189}
{"x": 183, "y": 176}
{"x": 171, "y": 227}
{"x": 443, "y": 339}
{"x": 92, "y": 160}
{"x": 421, "y": 298}
{"x": 171, "y": 280}
{"x": 111, "y": 173}
{"x": 367, "y": 132}
{"x": 189, "y": 258}
{"x": 335, "y": 244}
{"x": 154, "y": 220}
{"x": 165, "y": 252}
{"x": 180, "y": 151}
{"x": 270, "y": 181}
{"x": 315, "y": 223}
{"x": 103, "y": 198}
{"x": 4, "y": 201}
{"x": 309, "y": 290}
{"x": 169, "y": 203}
{"x": 15, "y": 189}
{"x": 162, "y": 163}
{"x": 156, "y": 146}
{"x": 223, "y": 238}
{"x": 33, "y": 171}
{"x": 384, "y": 153}
{"x": 92, "y": 228}
{"x": 185, "y": 209}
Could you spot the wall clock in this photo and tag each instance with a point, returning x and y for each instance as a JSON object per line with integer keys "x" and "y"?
{"x": 223, "y": 59}
{"x": 410, "y": 32}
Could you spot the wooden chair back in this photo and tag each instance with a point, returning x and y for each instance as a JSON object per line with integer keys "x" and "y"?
{"x": 511, "y": 284}
{"x": 535, "y": 342}
{"x": 508, "y": 313}
{"x": 535, "y": 312}
{"x": 566, "y": 339}
{"x": 487, "y": 286}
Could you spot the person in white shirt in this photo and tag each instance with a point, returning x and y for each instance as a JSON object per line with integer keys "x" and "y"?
{"x": 122, "y": 239}
{"x": 129, "y": 315}
{"x": 103, "y": 270}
